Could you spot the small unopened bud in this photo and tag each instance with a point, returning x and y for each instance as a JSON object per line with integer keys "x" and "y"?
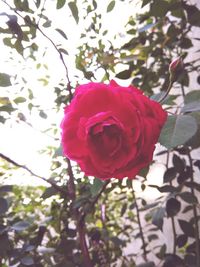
{"x": 175, "y": 69}
{"x": 176, "y": 65}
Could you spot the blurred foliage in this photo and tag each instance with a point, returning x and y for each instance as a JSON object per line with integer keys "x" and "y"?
{"x": 38, "y": 225}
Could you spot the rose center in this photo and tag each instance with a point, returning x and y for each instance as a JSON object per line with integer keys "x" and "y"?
{"x": 106, "y": 139}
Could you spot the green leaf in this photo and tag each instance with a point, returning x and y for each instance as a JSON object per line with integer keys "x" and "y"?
{"x": 123, "y": 210}
{"x": 125, "y": 74}
{"x": 159, "y": 8}
{"x": 47, "y": 24}
{"x": 145, "y": 2}
{"x": 5, "y": 244}
{"x": 111, "y": 6}
{"x": 19, "y": 100}
{"x": 146, "y": 27}
{"x": 7, "y": 108}
{"x": 188, "y": 197}
{"x": 20, "y": 226}
{"x": 62, "y": 33}
{"x": 74, "y": 10}
{"x": 58, "y": 152}
{"x": 60, "y": 3}
{"x": 169, "y": 175}
{"x": 187, "y": 228}
{"x": 37, "y": 3}
{"x": 165, "y": 188}
{"x": 193, "y": 14}
{"x": 117, "y": 241}
{"x": 194, "y": 142}
{"x": 4, "y": 101}
{"x": 3, "y": 205}
{"x": 49, "y": 192}
{"x": 162, "y": 252}
{"x": 94, "y": 3}
{"x": 62, "y": 50}
{"x": 2, "y": 119}
{"x": 6, "y": 188}
{"x": 177, "y": 130}
{"x": 181, "y": 240}
{"x": 4, "y": 80}
{"x": 158, "y": 217}
{"x": 179, "y": 164}
{"x": 173, "y": 206}
{"x": 27, "y": 261}
{"x": 192, "y": 96}
{"x": 96, "y": 186}
{"x": 42, "y": 114}
{"x": 192, "y": 106}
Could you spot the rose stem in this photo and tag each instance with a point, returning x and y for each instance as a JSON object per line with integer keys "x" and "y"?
{"x": 172, "y": 218}
{"x": 96, "y": 198}
{"x": 195, "y": 213}
{"x": 168, "y": 90}
{"x": 80, "y": 220}
{"x": 140, "y": 225}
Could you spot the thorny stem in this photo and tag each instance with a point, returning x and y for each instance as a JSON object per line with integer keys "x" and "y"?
{"x": 140, "y": 225}
{"x": 71, "y": 188}
{"x": 96, "y": 198}
{"x": 60, "y": 189}
{"x": 195, "y": 213}
{"x": 182, "y": 90}
{"x": 172, "y": 218}
{"x": 28, "y": 21}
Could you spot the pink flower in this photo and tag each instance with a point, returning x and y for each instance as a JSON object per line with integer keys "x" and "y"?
{"x": 110, "y": 130}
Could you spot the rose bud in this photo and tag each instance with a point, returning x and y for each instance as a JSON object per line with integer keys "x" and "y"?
{"x": 176, "y": 65}
{"x": 111, "y": 130}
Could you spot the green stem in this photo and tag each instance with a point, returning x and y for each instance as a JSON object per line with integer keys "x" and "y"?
{"x": 195, "y": 213}
{"x": 172, "y": 218}
{"x": 171, "y": 81}
{"x": 80, "y": 221}
{"x": 140, "y": 225}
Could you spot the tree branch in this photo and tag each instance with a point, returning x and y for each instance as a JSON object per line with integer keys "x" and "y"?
{"x": 60, "y": 189}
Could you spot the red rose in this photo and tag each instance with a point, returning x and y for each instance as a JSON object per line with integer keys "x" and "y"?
{"x": 110, "y": 130}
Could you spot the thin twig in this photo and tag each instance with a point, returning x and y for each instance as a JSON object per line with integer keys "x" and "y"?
{"x": 140, "y": 225}
{"x": 42, "y": 9}
{"x": 60, "y": 189}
